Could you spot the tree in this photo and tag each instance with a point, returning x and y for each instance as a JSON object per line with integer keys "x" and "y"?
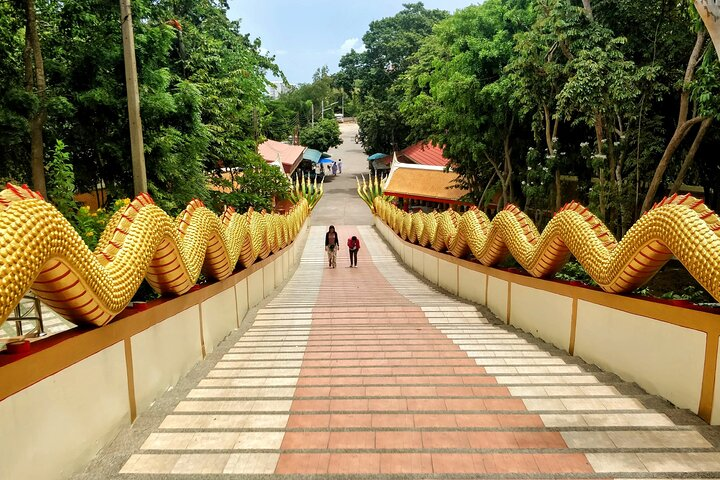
{"x": 324, "y": 135}
{"x": 16, "y": 103}
{"x": 35, "y": 84}
{"x": 685, "y": 121}
{"x": 454, "y": 90}
{"x": 390, "y": 43}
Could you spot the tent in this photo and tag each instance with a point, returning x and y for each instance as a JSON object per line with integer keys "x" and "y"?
{"x": 326, "y": 160}
{"x": 377, "y": 156}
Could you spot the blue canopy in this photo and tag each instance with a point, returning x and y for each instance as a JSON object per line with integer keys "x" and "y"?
{"x": 326, "y": 160}
{"x": 312, "y": 155}
{"x": 377, "y": 156}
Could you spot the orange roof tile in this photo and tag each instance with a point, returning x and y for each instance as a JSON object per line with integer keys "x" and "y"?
{"x": 426, "y": 184}
{"x": 290, "y": 155}
{"x": 424, "y": 154}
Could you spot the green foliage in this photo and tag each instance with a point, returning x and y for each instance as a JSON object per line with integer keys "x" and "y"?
{"x": 256, "y": 185}
{"x": 61, "y": 182}
{"x": 573, "y": 272}
{"x": 90, "y": 225}
{"x": 543, "y": 101}
{"x": 202, "y": 95}
{"x": 307, "y": 100}
{"x": 279, "y": 123}
{"x": 324, "y": 135}
{"x": 456, "y": 85}
{"x": 689, "y": 293}
{"x": 372, "y": 76}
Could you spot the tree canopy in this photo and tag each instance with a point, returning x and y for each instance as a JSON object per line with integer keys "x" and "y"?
{"x": 539, "y": 102}
{"x": 322, "y": 136}
{"x": 202, "y": 93}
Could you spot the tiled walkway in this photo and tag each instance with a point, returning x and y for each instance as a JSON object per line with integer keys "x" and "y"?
{"x": 371, "y": 372}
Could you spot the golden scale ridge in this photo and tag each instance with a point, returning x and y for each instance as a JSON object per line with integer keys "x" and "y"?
{"x": 680, "y": 226}
{"x": 40, "y": 251}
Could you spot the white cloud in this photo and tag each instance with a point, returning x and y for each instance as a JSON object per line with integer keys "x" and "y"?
{"x": 281, "y": 52}
{"x": 351, "y": 43}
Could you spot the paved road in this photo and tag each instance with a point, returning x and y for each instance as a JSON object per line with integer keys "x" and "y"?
{"x": 341, "y": 204}
{"x": 372, "y": 373}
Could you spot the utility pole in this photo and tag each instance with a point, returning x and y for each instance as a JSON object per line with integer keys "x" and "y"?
{"x": 322, "y": 109}
{"x": 343, "y": 104}
{"x": 133, "y": 99}
{"x": 312, "y": 115}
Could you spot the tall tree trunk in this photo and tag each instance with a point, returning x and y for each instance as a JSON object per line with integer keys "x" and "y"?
{"x": 501, "y": 176}
{"x": 588, "y": 9}
{"x": 507, "y": 149}
{"x": 558, "y": 191}
{"x": 601, "y": 173}
{"x": 683, "y": 125}
{"x": 548, "y": 131}
{"x": 690, "y": 157}
{"x": 36, "y": 84}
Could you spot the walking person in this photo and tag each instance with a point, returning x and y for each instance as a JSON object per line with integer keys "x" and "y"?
{"x": 339, "y": 165}
{"x": 354, "y": 245}
{"x": 334, "y": 168}
{"x": 332, "y": 244}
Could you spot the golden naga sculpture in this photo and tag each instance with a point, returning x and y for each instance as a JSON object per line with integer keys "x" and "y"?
{"x": 40, "y": 250}
{"x": 371, "y": 188}
{"x": 682, "y": 226}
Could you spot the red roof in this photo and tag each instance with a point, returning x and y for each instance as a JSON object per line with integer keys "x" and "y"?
{"x": 290, "y": 155}
{"x": 424, "y": 154}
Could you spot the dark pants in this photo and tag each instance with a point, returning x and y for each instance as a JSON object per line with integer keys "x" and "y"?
{"x": 353, "y": 257}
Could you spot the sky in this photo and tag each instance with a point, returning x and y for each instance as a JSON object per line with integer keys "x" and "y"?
{"x": 304, "y": 35}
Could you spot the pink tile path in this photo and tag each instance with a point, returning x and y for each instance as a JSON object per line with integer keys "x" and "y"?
{"x": 383, "y": 391}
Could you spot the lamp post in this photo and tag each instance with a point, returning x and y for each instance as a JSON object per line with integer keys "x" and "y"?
{"x": 133, "y": 99}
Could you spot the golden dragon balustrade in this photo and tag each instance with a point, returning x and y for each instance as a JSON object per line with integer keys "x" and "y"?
{"x": 682, "y": 226}
{"x": 40, "y": 250}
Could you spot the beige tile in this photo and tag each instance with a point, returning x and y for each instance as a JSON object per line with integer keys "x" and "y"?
{"x": 201, "y": 463}
{"x": 150, "y": 463}
{"x": 539, "y": 404}
{"x": 272, "y": 405}
{"x": 230, "y": 370}
{"x": 167, "y": 441}
{"x": 586, "y": 440}
{"x": 583, "y": 403}
{"x": 273, "y": 392}
{"x": 259, "y": 441}
{"x": 655, "y": 439}
{"x": 615, "y": 462}
{"x": 215, "y": 406}
{"x": 563, "y": 420}
{"x": 224, "y": 421}
{"x": 213, "y": 440}
{"x": 266, "y": 421}
{"x": 681, "y": 462}
{"x": 649, "y": 419}
{"x": 622, "y": 403}
{"x": 252, "y": 463}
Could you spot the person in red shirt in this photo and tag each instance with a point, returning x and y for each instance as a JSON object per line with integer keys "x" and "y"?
{"x": 354, "y": 245}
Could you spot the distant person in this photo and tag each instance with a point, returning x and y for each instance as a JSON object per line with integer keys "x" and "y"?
{"x": 332, "y": 244}
{"x": 334, "y": 168}
{"x": 354, "y": 245}
{"x": 339, "y": 165}
{"x": 318, "y": 169}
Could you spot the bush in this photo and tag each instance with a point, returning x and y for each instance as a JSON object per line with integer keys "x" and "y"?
{"x": 322, "y": 136}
